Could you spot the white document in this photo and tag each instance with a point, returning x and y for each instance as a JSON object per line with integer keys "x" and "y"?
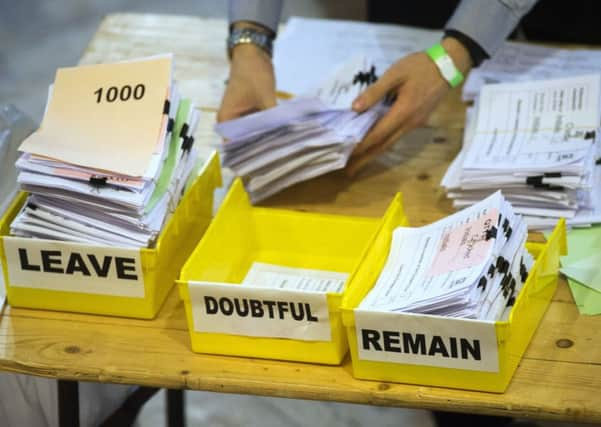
{"x": 536, "y": 124}
{"x": 300, "y": 279}
{"x": 309, "y": 49}
{"x": 523, "y": 62}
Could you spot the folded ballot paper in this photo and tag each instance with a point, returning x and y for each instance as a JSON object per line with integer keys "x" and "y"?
{"x": 540, "y": 143}
{"x": 301, "y": 138}
{"x": 111, "y": 157}
{"x": 471, "y": 264}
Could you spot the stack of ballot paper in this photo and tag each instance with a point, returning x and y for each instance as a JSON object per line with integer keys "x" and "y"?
{"x": 540, "y": 143}
{"x": 471, "y": 264}
{"x": 301, "y": 138}
{"x": 523, "y": 62}
{"x": 111, "y": 157}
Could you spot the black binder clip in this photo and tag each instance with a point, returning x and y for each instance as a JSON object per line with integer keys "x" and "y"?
{"x": 166, "y": 107}
{"x": 535, "y": 181}
{"x": 491, "y": 233}
{"x": 188, "y": 143}
{"x": 482, "y": 283}
{"x": 511, "y": 301}
{"x": 552, "y": 175}
{"x": 184, "y": 131}
{"x": 491, "y": 271}
{"x": 98, "y": 182}
{"x": 590, "y": 135}
{"x": 502, "y": 265}
{"x": 523, "y": 272}
{"x": 32, "y": 206}
{"x": 598, "y": 161}
{"x": 170, "y": 125}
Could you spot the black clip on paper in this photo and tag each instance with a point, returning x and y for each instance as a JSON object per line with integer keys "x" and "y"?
{"x": 482, "y": 283}
{"x": 188, "y": 143}
{"x": 32, "y": 206}
{"x": 166, "y": 107}
{"x": 184, "y": 131}
{"x": 170, "y": 125}
{"x": 98, "y": 181}
{"x": 491, "y": 271}
{"x": 590, "y": 135}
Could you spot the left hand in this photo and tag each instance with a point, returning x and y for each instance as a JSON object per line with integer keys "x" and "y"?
{"x": 419, "y": 87}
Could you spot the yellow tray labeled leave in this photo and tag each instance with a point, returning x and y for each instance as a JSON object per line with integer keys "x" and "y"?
{"x": 442, "y": 351}
{"x": 225, "y": 317}
{"x": 87, "y": 278}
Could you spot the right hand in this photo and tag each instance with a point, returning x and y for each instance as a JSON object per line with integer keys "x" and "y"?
{"x": 251, "y": 85}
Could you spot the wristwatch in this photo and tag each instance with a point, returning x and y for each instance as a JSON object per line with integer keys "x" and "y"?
{"x": 252, "y": 36}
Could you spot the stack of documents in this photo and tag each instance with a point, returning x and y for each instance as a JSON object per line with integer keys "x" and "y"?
{"x": 107, "y": 166}
{"x": 301, "y": 138}
{"x": 523, "y": 62}
{"x": 471, "y": 264}
{"x": 540, "y": 143}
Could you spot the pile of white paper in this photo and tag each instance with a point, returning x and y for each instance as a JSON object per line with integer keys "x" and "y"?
{"x": 471, "y": 264}
{"x": 301, "y": 138}
{"x": 540, "y": 143}
{"x": 522, "y": 62}
{"x": 75, "y": 194}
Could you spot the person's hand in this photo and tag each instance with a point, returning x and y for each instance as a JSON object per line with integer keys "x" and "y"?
{"x": 418, "y": 86}
{"x": 251, "y": 84}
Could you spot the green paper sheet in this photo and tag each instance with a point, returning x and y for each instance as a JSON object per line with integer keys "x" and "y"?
{"x": 582, "y": 267}
{"x": 169, "y": 163}
{"x": 587, "y": 300}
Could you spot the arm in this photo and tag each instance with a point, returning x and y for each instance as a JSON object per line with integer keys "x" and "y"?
{"x": 251, "y": 83}
{"x": 476, "y": 30}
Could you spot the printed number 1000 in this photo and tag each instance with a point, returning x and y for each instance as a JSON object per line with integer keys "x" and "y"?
{"x": 124, "y": 93}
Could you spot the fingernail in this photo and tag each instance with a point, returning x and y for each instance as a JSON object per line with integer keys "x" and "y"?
{"x": 358, "y": 105}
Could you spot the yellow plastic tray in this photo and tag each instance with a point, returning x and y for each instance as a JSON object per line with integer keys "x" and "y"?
{"x": 512, "y": 336}
{"x": 241, "y": 234}
{"x": 160, "y": 265}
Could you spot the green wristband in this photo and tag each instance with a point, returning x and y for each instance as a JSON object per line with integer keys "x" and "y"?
{"x": 445, "y": 65}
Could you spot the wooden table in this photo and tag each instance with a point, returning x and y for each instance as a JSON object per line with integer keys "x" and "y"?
{"x": 559, "y": 376}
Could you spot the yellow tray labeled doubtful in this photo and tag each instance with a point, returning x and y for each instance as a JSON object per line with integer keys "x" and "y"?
{"x": 86, "y": 278}
{"x": 227, "y": 318}
{"x": 442, "y": 351}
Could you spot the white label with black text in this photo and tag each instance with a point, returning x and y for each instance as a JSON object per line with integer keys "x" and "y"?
{"x": 73, "y": 267}
{"x": 259, "y": 312}
{"x": 427, "y": 340}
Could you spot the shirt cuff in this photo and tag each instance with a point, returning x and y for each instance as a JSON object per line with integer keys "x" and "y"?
{"x": 488, "y": 23}
{"x": 264, "y": 12}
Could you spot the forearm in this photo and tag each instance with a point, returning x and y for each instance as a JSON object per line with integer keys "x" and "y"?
{"x": 265, "y": 13}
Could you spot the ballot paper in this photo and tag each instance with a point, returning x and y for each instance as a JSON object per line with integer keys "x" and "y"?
{"x": 524, "y": 62}
{"x": 301, "y": 63}
{"x": 304, "y": 137}
{"x": 471, "y": 264}
{"x": 300, "y": 279}
{"x": 539, "y": 141}
{"x": 73, "y": 201}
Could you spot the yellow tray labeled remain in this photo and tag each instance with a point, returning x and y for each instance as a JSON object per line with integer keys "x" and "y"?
{"x": 271, "y": 323}
{"x": 66, "y": 276}
{"x": 442, "y": 351}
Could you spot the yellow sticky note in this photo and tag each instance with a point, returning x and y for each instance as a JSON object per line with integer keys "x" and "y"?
{"x": 105, "y": 116}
